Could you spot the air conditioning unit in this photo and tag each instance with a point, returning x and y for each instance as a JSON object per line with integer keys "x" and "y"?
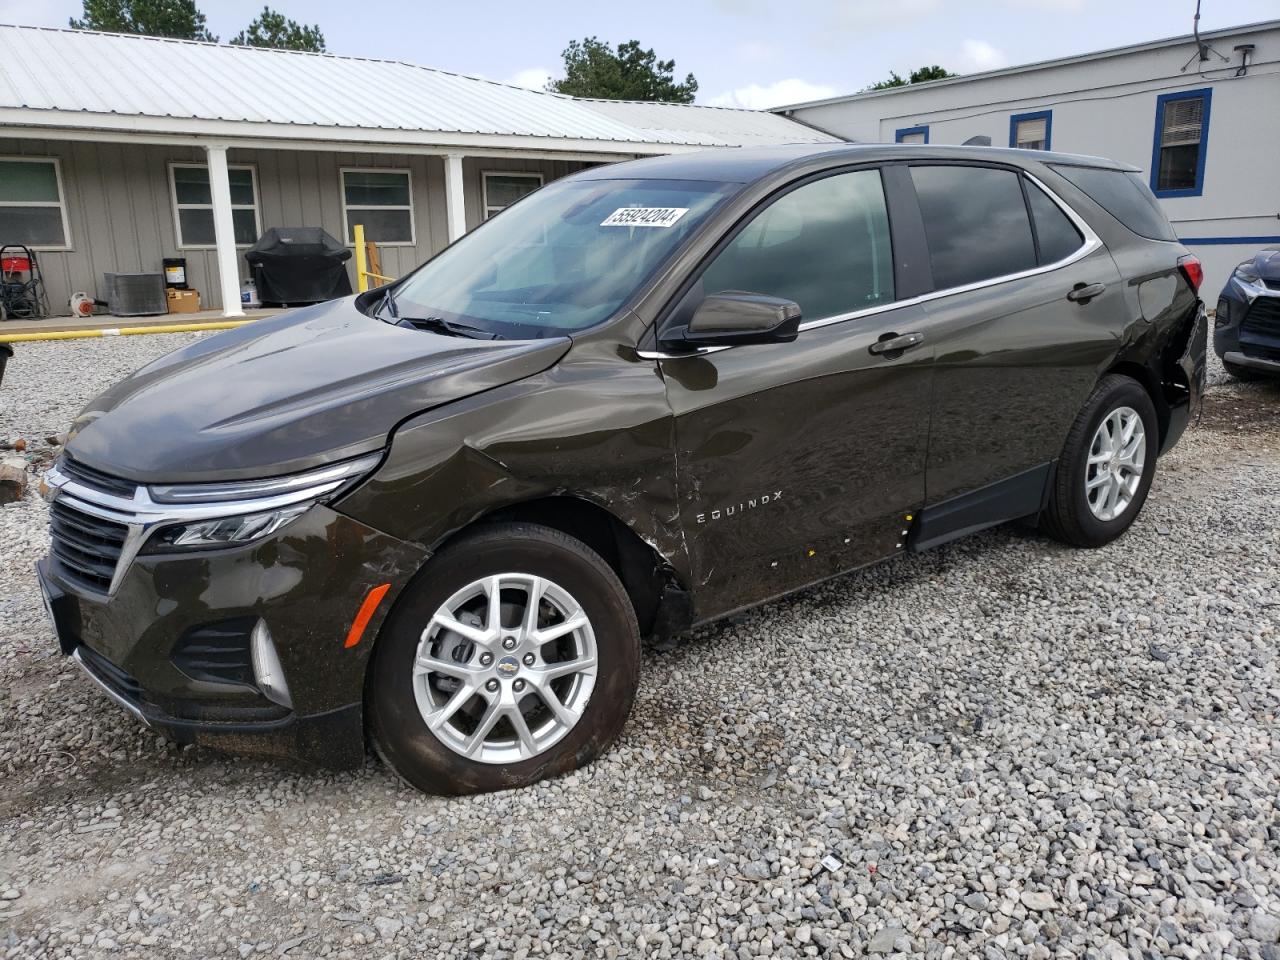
{"x": 136, "y": 294}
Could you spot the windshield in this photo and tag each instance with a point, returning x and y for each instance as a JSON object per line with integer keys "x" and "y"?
{"x": 561, "y": 260}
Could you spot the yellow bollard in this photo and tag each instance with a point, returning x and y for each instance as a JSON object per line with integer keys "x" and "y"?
{"x": 362, "y": 262}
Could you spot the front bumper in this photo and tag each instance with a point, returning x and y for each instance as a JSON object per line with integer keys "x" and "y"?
{"x": 307, "y": 582}
{"x": 1247, "y": 326}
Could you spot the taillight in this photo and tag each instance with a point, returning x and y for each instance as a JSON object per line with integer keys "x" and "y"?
{"x": 1193, "y": 270}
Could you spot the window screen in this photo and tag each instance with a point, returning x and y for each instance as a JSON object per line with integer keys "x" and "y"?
{"x": 824, "y": 245}
{"x": 380, "y": 200}
{"x": 975, "y": 221}
{"x": 1181, "y": 130}
{"x": 1056, "y": 236}
{"x": 1031, "y": 134}
{"x": 31, "y": 206}
{"x": 193, "y": 205}
{"x": 1123, "y": 195}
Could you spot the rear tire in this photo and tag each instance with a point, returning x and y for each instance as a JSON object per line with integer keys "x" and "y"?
{"x": 460, "y": 693}
{"x": 1106, "y": 467}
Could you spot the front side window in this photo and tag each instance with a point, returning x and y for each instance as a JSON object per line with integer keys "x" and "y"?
{"x": 824, "y": 245}
{"x": 193, "y": 204}
{"x": 975, "y": 221}
{"x": 381, "y": 200}
{"x": 1182, "y": 131}
{"x": 501, "y": 190}
{"x": 32, "y": 209}
{"x": 567, "y": 258}
{"x": 1030, "y": 131}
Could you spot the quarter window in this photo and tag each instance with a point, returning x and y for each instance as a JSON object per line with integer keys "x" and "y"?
{"x": 501, "y": 190}
{"x": 381, "y": 200}
{"x": 1030, "y": 131}
{"x": 32, "y": 210}
{"x": 193, "y": 204}
{"x": 1182, "y": 130}
{"x": 824, "y": 245}
{"x": 976, "y": 223}
{"x": 1056, "y": 236}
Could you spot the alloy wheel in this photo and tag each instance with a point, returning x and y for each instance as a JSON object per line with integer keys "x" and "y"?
{"x": 1117, "y": 456}
{"x": 505, "y": 668}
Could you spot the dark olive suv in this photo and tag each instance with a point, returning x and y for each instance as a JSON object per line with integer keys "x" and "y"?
{"x": 442, "y": 514}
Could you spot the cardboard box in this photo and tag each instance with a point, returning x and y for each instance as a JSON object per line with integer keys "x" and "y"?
{"x": 184, "y": 301}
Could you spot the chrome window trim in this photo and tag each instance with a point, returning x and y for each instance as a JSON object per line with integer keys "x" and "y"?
{"x": 695, "y": 352}
{"x": 1092, "y": 243}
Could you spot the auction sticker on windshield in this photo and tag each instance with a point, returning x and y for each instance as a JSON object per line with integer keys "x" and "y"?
{"x": 644, "y": 216}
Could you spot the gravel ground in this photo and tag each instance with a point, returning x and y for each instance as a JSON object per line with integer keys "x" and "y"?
{"x": 1009, "y": 748}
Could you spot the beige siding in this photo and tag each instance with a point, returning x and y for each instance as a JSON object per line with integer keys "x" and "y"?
{"x": 121, "y": 216}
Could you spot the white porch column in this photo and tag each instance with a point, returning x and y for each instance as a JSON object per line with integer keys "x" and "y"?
{"x": 454, "y": 205}
{"x": 224, "y": 231}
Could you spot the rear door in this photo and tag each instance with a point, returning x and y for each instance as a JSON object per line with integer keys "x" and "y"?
{"x": 798, "y": 460}
{"x": 1022, "y": 319}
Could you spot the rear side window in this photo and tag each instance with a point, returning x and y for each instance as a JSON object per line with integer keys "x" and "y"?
{"x": 1056, "y": 236}
{"x": 1123, "y": 195}
{"x": 824, "y": 245}
{"x": 976, "y": 223}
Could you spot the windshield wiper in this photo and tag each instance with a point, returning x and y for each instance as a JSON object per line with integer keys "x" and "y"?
{"x": 389, "y": 302}
{"x": 450, "y": 328}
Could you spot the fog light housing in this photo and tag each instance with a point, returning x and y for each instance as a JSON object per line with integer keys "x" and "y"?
{"x": 266, "y": 666}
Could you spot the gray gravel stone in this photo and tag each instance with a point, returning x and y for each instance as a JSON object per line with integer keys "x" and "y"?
{"x": 984, "y": 720}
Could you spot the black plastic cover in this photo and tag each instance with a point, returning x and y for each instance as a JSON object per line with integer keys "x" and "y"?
{"x": 297, "y": 265}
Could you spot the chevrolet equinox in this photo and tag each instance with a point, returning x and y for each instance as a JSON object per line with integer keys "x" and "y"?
{"x": 439, "y": 516}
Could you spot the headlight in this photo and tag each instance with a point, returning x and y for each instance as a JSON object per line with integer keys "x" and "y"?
{"x": 1247, "y": 272}
{"x": 226, "y": 530}
{"x": 227, "y": 514}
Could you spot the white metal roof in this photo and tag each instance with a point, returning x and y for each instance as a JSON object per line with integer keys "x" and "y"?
{"x": 688, "y": 123}
{"x": 1205, "y": 35}
{"x": 84, "y": 80}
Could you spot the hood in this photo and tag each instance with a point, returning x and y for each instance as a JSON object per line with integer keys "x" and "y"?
{"x": 286, "y": 394}
{"x": 1266, "y": 263}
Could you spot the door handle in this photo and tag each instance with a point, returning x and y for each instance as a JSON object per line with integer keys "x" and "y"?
{"x": 1084, "y": 292}
{"x": 894, "y": 343}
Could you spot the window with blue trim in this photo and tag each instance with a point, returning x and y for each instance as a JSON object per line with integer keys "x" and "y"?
{"x": 1181, "y": 140}
{"x": 911, "y": 135}
{"x": 1031, "y": 131}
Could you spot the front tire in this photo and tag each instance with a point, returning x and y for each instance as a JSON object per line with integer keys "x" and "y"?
{"x": 1106, "y": 467}
{"x": 512, "y": 657}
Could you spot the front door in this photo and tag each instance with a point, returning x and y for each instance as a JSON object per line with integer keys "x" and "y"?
{"x": 799, "y": 460}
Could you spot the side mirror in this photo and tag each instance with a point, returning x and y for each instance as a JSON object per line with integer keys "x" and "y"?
{"x": 735, "y": 318}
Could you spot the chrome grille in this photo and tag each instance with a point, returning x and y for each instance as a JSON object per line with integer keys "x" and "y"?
{"x": 88, "y": 548}
{"x": 74, "y": 470}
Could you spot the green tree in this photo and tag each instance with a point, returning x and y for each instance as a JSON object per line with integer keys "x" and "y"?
{"x": 593, "y": 68}
{"x": 272, "y": 29}
{"x": 153, "y": 18}
{"x": 920, "y": 75}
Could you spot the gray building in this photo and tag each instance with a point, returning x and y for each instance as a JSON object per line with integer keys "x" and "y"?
{"x": 1203, "y": 128}
{"x": 118, "y": 151}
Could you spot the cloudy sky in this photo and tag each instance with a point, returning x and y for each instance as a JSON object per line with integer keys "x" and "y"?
{"x": 754, "y": 53}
